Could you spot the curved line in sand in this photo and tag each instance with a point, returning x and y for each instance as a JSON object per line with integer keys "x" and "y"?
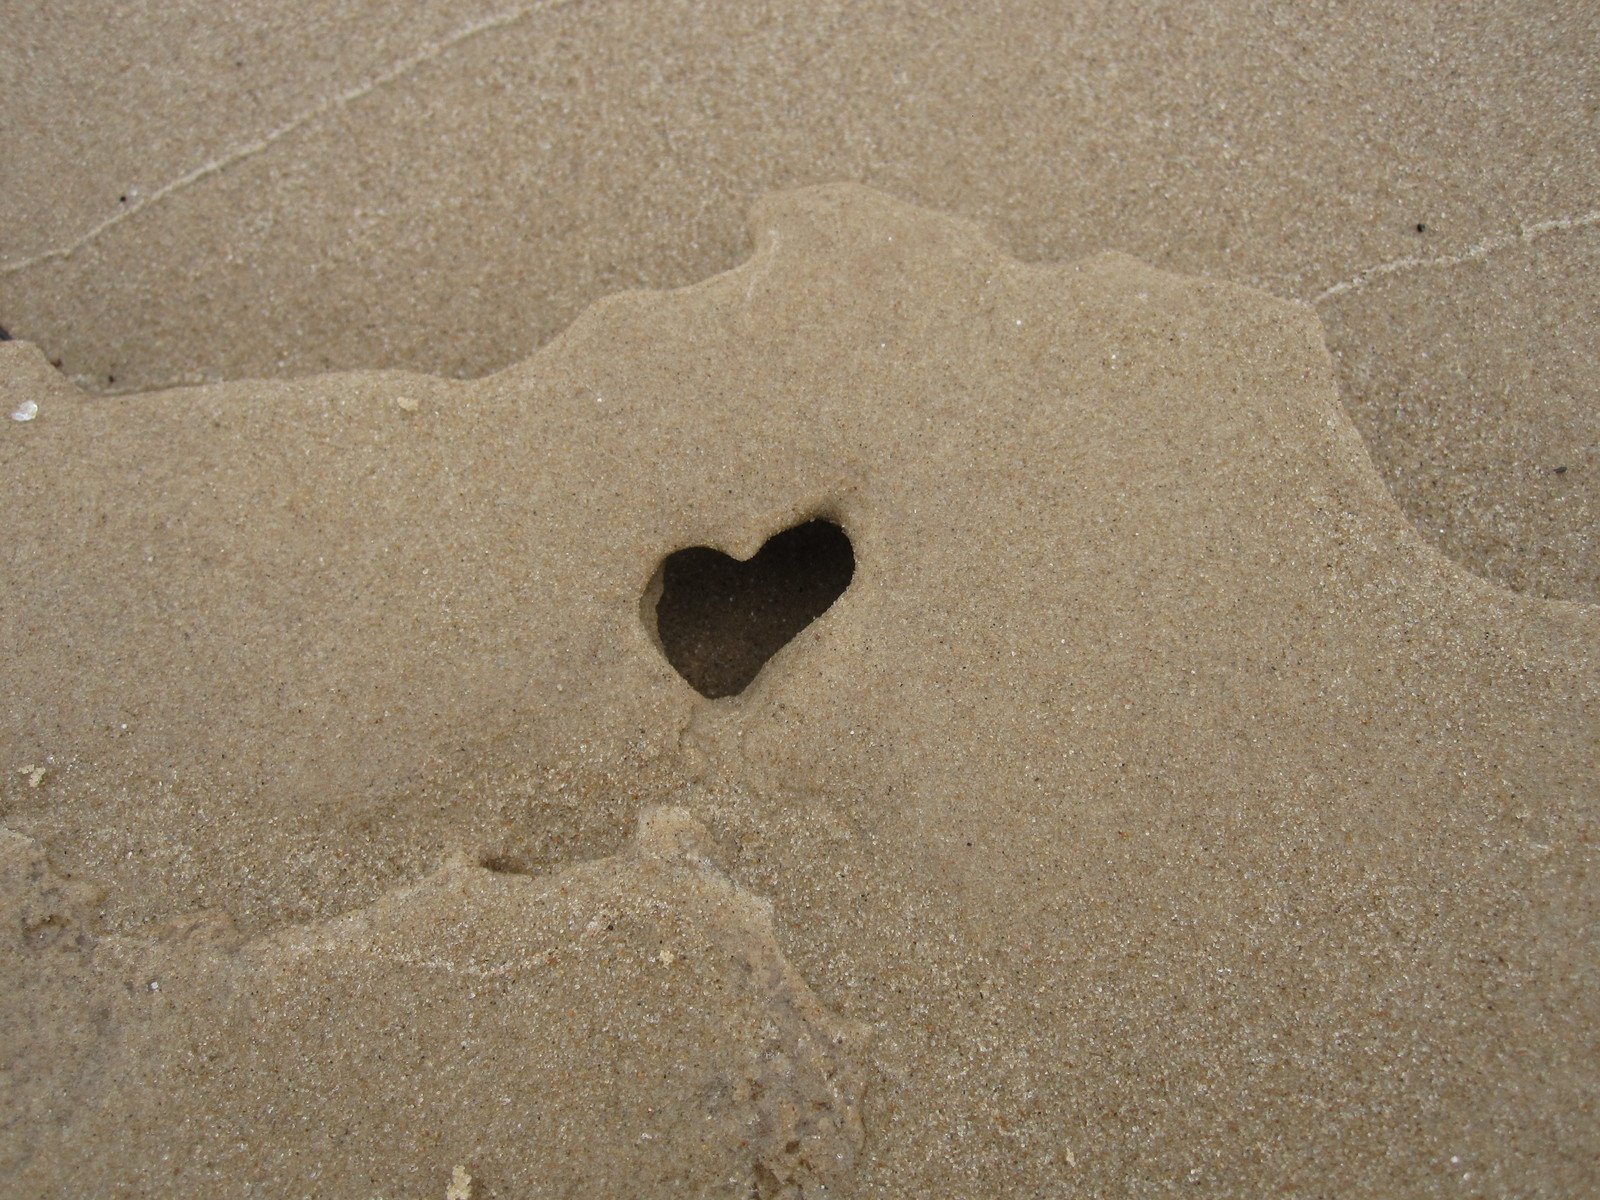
{"x": 1474, "y": 253}
{"x": 250, "y": 149}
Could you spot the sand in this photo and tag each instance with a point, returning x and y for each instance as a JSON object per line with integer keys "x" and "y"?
{"x": 1154, "y": 811}
{"x": 205, "y": 191}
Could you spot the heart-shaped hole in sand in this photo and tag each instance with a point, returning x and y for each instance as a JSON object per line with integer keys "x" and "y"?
{"x": 719, "y": 620}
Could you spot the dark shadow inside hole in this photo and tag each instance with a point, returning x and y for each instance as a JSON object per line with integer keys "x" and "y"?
{"x": 720, "y": 620}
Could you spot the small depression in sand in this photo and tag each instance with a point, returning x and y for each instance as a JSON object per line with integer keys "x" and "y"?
{"x": 720, "y": 620}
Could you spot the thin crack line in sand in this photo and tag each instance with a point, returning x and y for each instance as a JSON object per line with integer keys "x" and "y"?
{"x": 1482, "y": 250}
{"x": 250, "y": 149}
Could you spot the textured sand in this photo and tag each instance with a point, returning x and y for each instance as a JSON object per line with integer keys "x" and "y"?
{"x": 201, "y": 191}
{"x": 1154, "y": 812}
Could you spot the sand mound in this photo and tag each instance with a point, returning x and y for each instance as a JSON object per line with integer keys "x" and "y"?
{"x": 1152, "y": 807}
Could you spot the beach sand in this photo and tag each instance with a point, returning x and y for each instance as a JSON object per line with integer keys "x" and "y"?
{"x": 1154, "y": 811}
{"x": 203, "y": 191}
